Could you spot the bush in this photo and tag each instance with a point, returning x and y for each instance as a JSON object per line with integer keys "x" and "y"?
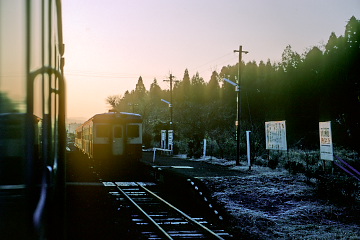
{"x": 274, "y": 160}
{"x": 182, "y": 146}
{"x": 337, "y": 188}
{"x": 294, "y": 167}
{"x": 301, "y": 161}
{"x": 261, "y": 160}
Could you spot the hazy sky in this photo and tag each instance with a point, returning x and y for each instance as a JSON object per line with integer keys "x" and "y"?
{"x": 110, "y": 43}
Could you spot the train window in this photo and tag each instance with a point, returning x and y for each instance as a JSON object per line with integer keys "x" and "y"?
{"x": 102, "y": 131}
{"x": 13, "y": 56}
{"x": 117, "y": 132}
{"x": 133, "y": 131}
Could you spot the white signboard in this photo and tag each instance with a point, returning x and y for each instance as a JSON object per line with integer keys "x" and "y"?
{"x": 326, "y": 145}
{"x": 170, "y": 139}
{"x": 275, "y": 134}
{"x": 163, "y": 139}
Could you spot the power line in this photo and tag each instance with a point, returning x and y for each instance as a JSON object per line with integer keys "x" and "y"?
{"x": 133, "y": 75}
{"x": 215, "y": 61}
{"x": 104, "y": 75}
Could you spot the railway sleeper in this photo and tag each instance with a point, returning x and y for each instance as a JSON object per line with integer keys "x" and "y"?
{"x": 165, "y": 222}
{"x": 170, "y": 221}
{"x": 177, "y": 235}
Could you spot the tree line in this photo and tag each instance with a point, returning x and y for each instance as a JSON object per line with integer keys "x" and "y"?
{"x": 321, "y": 84}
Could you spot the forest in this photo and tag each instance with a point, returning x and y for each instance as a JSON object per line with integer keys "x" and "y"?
{"x": 321, "y": 84}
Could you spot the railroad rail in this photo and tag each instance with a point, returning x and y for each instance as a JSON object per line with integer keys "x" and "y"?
{"x": 156, "y": 218}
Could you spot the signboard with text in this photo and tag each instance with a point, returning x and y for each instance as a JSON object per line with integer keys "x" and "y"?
{"x": 163, "y": 139}
{"x": 275, "y": 134}
{"x": 326, "y": 145}
{"x": 170, "y": 139}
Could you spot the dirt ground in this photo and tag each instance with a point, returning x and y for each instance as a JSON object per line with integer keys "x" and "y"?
{"x": 273, "y": 204}
{"x": 270, "y": 204}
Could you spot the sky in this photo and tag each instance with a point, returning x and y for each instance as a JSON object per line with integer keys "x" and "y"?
{"x": 109, "y": 44}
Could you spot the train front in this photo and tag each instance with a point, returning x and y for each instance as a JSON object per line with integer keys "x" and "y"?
{"x": 114, "y": 142}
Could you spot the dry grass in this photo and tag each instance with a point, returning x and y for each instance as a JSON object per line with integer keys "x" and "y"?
{"x": 272, "y": 204}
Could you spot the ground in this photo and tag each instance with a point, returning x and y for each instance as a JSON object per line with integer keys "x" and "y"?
{"x": 273, "y": 204}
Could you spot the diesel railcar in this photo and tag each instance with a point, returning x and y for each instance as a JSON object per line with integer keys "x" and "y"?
{"x": 111, "y": 140}
{"x": 32, "y": 120}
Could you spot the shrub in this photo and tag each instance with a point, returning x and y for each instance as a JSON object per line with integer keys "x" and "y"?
{"x": 337, "y": 188}
{"x": 273, "y": 160}
{"x": 294, "y": 167}
{"x": 261, "y": 160}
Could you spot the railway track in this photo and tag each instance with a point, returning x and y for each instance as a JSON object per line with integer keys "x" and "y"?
{"x": 155, "y": 218}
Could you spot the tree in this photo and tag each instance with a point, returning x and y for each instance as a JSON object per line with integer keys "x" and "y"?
{"x": 213, "y": 88}
{"x": 113, "y": 101}
{"x": 290, "y": 59}
{"x": 182, "y": 89}
{"x": 155, "y": 92}
{"x": 227, "y": 93}
{"x": 197, "y": 89}
{"x": 321, "y": 84}
{"x": 333, "y": 44}
{"x": 352, "y": 33}
{"x": 140, "y": 90}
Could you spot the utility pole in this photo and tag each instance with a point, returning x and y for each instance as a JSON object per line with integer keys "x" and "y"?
{"x": 240, "y": 51}
{"x": 132, "y": 105}
{"x": 171, "y": 130}
{"x": 171, "y": 99}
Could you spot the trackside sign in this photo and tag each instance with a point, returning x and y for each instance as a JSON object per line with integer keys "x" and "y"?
{"x": 326, "y": 145}
{"x": 275, "y": 134}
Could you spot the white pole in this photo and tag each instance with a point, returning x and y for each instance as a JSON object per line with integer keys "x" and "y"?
{"x": 204, "y": 151}
{"x": 154, "y": 156}
{"x": 248, "y": 148}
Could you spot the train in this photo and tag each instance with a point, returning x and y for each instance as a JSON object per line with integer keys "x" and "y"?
{"x": 112, "y": 141}
{"x": 32, "y": 120}
{"x": 12, "y": 143}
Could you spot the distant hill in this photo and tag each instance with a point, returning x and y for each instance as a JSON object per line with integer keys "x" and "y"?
{"x": 75, "y": 120}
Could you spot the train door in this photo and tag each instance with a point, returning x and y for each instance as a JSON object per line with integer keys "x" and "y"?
{"x": 118, "y": 140}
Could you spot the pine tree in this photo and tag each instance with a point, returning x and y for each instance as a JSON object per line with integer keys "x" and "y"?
{"x": 140, "y": 90}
